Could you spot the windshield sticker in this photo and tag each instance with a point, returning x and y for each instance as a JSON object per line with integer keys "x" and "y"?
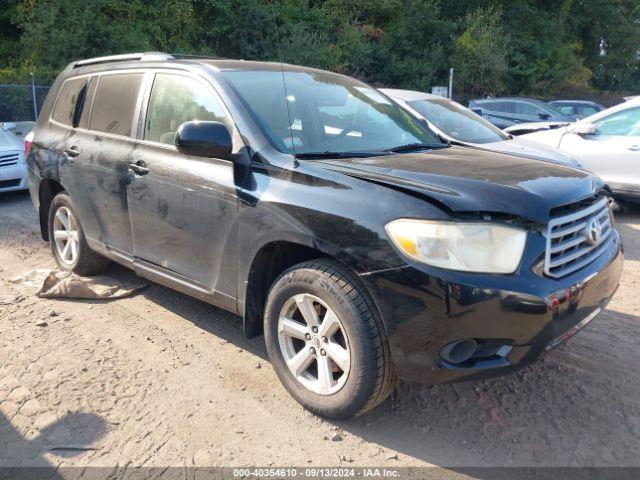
{"x": 292, "y": 142}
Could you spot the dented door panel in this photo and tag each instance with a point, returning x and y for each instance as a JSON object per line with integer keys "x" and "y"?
{"x": 183, "y": 216}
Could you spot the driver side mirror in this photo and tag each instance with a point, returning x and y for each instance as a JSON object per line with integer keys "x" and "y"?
{"x": 544, "y": 115}
{"x": 203, "y": 139}
{"x": 476, "y": 110}
{"x": 584, "y": 129}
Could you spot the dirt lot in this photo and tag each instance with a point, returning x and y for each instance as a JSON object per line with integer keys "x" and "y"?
{"x": 161, "y": 379}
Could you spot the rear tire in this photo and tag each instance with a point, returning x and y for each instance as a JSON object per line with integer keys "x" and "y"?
{"x": 68, "y": 243}
{"x": 335, "y": 362}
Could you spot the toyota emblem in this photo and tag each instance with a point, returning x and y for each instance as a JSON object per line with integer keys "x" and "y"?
{"x": 595, "y": 231}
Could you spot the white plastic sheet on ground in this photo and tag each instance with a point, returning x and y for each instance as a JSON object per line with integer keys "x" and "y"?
{"x": 55, "y": 284}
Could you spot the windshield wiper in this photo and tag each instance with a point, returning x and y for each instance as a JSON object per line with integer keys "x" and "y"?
{"x": 328, "y": 154}
{"x": 416, "y": 146}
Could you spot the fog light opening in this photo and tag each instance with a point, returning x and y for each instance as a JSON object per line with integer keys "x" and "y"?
{"x": 459, "y": 351}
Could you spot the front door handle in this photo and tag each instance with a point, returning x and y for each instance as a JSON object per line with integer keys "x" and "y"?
{"x": 72, "y": 152}
{"x": 635, "y": 148}
{"x": 139, "y": 168}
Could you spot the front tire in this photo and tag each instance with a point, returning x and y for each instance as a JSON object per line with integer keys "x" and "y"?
{"x": 68, "y": 243}
{"x": 326, "y": 341}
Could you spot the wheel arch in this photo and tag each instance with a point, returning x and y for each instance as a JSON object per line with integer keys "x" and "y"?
{"x": 47, "y": 191}
{"x": 268, "y": 263}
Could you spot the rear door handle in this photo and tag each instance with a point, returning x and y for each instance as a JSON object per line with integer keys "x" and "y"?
{"x": 635, "y": 148}
{"x": 72, "y": 152}
{"x": 139, "y": 168}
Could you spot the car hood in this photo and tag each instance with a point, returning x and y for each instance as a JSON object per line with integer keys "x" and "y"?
{"x": 10, "y": 142}
{"x": 531, "y": 149}
{"x": 471, "y": 180}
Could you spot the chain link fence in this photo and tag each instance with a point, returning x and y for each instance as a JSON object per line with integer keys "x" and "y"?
{"x": 21, "y": 102}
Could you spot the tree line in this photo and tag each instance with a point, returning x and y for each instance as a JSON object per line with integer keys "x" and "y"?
{"x": 533, "y": 47}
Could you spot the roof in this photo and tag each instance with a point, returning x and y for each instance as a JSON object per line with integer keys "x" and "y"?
{"x": 581, "y": 102}
{"x": 217, "y": 63}
{"x": 523, "y": 99}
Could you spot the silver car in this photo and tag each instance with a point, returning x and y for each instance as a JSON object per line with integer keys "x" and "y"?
{"x": 607, "y": 143}
{"x": 13, "y": 169}
{"x": 459, "y": 125}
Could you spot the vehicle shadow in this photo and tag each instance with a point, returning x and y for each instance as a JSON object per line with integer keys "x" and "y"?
{"x": 23, "y": 456}
{"x": 552, "y": 413}
{"x": 576, "y": 407}
{"x": 216, "y": 321}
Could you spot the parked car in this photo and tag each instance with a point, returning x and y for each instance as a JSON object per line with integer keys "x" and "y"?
{"x": 13, "y": 169}
{"x": 20, "y": 129}
{"x": 459, "y": 125}
{"x": 577, "y": 108}
{"x": 504, "y": 112}
{"x": 325, "y": 215}
{"x": 607, "y": 143}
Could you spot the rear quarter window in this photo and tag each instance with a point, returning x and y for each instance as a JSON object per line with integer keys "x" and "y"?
{"x": 65, "y": 110}
{"x": 115, "y": 103}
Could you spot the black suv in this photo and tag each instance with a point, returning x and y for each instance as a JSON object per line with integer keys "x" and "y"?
{"x": 310, "y": 204}
{"x": 505, "y": 112}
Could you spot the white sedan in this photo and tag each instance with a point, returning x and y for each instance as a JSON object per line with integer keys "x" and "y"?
{"x": 460, "y": 125}
{"x": 13, "y": 168}
{"x": 607, "y": 143}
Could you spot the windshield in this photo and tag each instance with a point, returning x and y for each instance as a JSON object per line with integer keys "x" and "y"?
{"x": 458, "y": 122}
{"x": 324, "y": 113}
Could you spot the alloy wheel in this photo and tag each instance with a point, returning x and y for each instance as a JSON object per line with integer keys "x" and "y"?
{"x": 65, "y": 236}
{"x": 314, "y": 344}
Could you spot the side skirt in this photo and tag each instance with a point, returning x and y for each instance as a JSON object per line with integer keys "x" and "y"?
{"x": 167, "y": 278}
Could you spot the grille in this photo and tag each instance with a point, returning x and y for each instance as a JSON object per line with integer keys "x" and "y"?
{"x": 8, "y": 160}
{"x": 576, "y": 239}
{"x": 9, "y": 183}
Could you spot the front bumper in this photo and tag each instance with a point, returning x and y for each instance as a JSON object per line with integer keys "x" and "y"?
{"x": 424, "y": 309}
{"x": 13, "y": 177}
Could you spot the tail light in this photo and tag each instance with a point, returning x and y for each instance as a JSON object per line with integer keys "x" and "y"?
{"x": 27, "y": 143}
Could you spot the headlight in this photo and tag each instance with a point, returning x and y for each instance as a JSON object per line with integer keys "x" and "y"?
{"x": 470, "y": 247}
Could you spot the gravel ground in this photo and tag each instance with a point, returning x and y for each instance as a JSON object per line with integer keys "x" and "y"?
{"x": 161, "y": 379}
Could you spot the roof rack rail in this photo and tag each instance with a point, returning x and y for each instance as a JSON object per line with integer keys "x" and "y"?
{"x": 190, "y": 56}
{"x": 146, "y": 56}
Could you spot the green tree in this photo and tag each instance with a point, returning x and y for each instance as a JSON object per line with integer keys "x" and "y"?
{"x": 540, "y": 47}
{"x": 480, "y": 53}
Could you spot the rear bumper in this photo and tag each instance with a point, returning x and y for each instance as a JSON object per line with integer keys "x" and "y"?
{"x": 425, "y": 309}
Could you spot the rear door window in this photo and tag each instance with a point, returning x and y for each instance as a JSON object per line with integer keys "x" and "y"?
{"x": 69, "y": 101}
{"x": 176, "y": 99}
{"x": 115, "y": 103}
